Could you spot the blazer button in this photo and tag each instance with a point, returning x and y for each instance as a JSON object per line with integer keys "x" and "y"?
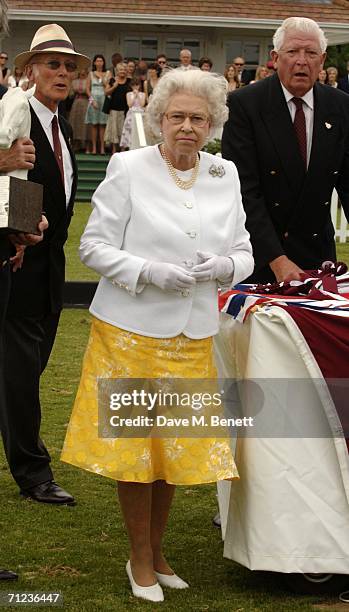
{"x": 335, "y": 172}
{"x": 276, "y": 204}
{"x": 188, "y": 205}
{"x": 273, "y": 172}
{"x": 315, "y": 235}
{"x": 189, "y": 263}
{"x": 192, "y": 234}
{"x": 326, "y": 203}
{"x": 185, "y": 292}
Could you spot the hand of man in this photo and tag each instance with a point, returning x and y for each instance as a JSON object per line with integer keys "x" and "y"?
{"x": 214, "y": 267}
{"x": 17, "y": 260}
{"x": 30, "y": 239}
{"x": 285, "y": 270}
{"x": 20, "y": 156}
{"x": 168, "y": 276}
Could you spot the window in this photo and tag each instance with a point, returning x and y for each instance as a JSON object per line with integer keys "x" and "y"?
{"x": 249, "y": 50}
{"x": 140, "y": 48}
{"x": 174, "y": 45}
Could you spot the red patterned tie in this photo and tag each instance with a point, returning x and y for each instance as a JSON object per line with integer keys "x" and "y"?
{"x": 57, "y": 149}
{"x": 299, "y": 126}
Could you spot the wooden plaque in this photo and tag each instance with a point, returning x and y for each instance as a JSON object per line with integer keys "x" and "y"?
{"x": 20, "y": 205}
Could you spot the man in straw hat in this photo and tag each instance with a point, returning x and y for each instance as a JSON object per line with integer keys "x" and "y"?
{"x": 36, "y": 295}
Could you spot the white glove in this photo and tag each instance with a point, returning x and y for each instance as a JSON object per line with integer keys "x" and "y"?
{"x": 214, "y": 267}
{"x": 167, "y": 276}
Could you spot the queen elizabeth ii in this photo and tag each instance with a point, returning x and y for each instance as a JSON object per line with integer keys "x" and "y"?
{"x": 166, "y": 230}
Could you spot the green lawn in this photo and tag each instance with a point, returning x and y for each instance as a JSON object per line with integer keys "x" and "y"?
{"x": 76, "y": 270}
{"x": 81, "y": 551}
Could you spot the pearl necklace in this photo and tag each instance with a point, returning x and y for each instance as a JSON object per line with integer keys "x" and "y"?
{"x": 172, "y": 171}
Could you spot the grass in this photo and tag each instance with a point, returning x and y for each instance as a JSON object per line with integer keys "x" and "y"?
{"x": 81, "y": 551}
{"x": 343, "y": 252}
{"x": 75, "y": 270}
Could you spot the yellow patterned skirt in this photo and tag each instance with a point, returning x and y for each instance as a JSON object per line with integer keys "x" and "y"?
{"x": 115, "y": 353}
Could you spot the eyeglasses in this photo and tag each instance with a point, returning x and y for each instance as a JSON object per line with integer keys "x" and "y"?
{"x": 236, "y": 64}
{"x": 161, "y": 61}
{"x": 4, "y": 57}
{"x": 196, "y": 119}
{"x": 56, "y": 64}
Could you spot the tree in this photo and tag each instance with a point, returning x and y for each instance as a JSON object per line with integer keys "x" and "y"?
{"x": 338, "y": 55}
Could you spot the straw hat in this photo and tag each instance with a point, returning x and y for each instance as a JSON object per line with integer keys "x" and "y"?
{"x": 51, "y": 38}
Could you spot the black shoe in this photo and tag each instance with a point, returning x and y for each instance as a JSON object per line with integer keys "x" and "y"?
{"x": 7, "y": 575}
{"x": 49, "y": 493}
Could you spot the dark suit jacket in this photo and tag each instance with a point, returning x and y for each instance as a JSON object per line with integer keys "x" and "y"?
{"x": 287, "y": 208}
{"x": 246, "y": 76}
{"x": 343, "y": 84}
{"x": 37, "y": 289}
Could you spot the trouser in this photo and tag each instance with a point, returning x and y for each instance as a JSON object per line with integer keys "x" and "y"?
{"x": 4, "y": 295}
{"x": 28, "y": 342}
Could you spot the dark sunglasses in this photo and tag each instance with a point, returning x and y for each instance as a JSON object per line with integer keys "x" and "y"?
{"x": 55, "y": 64}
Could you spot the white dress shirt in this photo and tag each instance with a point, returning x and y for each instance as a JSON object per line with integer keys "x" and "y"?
{"x": 308, "y": 109}
{"x": 188, "y": 67}
{"x": 45, "y": 116}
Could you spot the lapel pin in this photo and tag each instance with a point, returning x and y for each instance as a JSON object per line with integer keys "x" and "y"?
{"x": 328, "y": 125}
{"x": 217, "y": 170}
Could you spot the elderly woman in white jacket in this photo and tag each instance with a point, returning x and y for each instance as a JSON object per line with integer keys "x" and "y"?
{"x": 167, "y": 228}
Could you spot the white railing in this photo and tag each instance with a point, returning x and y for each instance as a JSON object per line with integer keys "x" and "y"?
{"x": 138, "y": 138}
{"x": 337, "y": 214}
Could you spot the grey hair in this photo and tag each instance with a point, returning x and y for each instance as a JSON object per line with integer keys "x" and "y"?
{"x": 207, "y": 85}
{"x": 299, "y": 24}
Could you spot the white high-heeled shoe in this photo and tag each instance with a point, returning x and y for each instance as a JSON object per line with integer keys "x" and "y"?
{"x": 152, "y": 593}
{"x": 172, "y": 581}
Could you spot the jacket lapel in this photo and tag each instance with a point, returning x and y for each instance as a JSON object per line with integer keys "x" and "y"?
{"x": 326, "y": 131}
{"x": 63, "y": 126}
{"x": 46, "y": 161}
{"x": 277, "y": 119}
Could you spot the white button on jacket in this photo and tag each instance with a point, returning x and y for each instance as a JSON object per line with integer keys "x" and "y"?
{"x": 137, "y": 217}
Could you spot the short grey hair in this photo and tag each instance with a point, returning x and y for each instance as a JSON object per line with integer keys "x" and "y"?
{"x": 299, "y": 24}
{"x": 207, "y": 85}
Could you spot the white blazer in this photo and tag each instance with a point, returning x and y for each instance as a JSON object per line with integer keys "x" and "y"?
{"x": 139, "y": 214}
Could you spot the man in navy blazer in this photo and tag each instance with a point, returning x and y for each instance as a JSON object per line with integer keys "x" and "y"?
{"x": 286, "y": 196}
{"x": 36, "y": 295}
{"x": 343, "y": 83}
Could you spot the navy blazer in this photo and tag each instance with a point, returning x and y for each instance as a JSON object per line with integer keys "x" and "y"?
{"x": 343, "y": 84}
{"x": 288, "y": 208}
{"x": 37, "y": 289}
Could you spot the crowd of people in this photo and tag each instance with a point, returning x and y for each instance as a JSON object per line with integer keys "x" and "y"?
{"x": 168, "y": 227}
{"x": 99, "y": 102}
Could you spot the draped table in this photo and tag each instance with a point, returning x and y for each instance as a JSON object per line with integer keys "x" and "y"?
{"x": 289, "y": 512}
